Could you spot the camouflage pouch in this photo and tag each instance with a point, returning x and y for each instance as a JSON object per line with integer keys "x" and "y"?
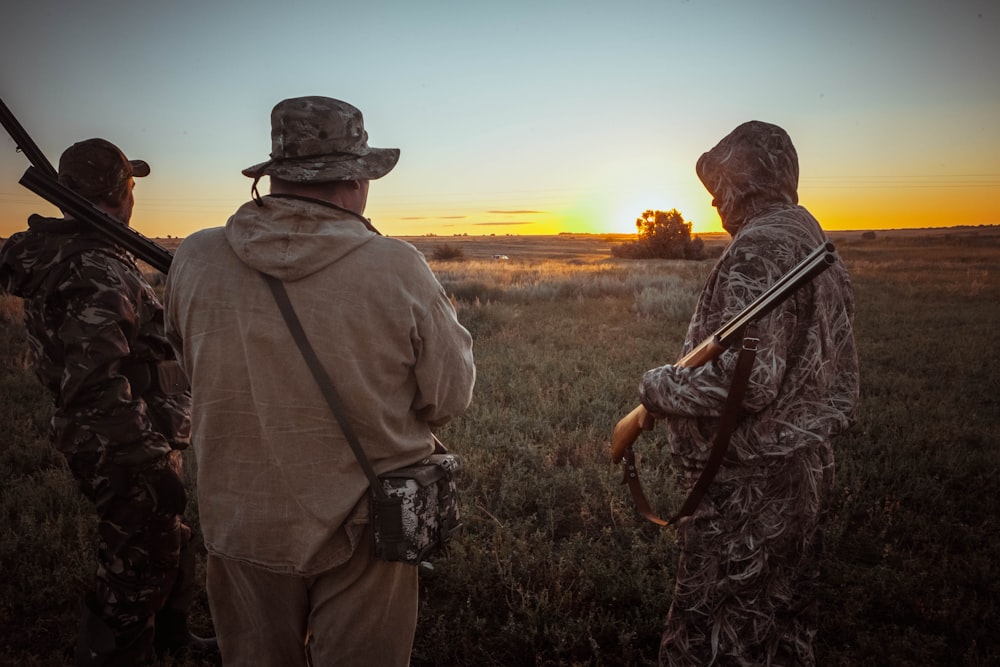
{"x": 420, "y": 512}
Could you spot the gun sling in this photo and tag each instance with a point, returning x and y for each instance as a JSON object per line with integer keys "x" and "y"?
{"x": 727, "y": 424}
{"x": 323, "y": 380}
{"x": 407, "y": 530}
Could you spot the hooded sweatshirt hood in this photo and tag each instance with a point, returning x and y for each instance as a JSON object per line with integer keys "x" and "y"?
{"x": 753, "y": 168}
{"x": 291, "y": 237}
{"x": 279, "y": 484}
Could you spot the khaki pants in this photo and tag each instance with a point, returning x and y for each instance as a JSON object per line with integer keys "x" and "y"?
{"x": 363, "y": 613}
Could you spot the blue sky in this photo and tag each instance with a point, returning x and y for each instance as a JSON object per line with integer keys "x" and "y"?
{"x": 523, "y": 117}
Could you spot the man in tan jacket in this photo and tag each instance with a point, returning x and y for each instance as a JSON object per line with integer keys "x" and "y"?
{"x": 282, "y": 499}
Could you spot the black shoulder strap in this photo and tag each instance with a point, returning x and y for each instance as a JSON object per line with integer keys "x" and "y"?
{"x": 322, "y": 378}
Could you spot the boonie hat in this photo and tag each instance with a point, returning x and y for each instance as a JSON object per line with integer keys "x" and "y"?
{"x": 317, "y": 139}
{"x": 97, "y": 169}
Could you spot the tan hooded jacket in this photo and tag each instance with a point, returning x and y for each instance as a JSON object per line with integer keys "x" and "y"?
{"x": 276, "y": 477}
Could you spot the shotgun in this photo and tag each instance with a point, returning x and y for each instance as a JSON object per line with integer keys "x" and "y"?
{"x": 42, "y": 179}
{"x": 628, "y": 429}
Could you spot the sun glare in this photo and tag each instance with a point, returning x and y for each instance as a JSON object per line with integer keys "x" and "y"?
{"x": 632, "y": 207}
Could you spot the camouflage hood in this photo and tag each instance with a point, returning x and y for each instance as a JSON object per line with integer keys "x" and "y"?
{"x": 290, "y": 238}
{"x": 753, "y": 168}
{"x": 27, "y": 257}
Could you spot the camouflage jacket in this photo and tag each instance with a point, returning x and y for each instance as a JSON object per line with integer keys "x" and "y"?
{"x": 804, "y": 386}
{"x": 95, "y": 335}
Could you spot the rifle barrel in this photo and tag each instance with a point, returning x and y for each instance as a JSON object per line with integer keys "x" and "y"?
{"x": 80, "y": 208}
{"x": 24, "y": 142}
{"x": 43, "y": 179}
{"x": 820, "y": 259}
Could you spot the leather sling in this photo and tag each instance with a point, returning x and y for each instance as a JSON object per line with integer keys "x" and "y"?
{"x": 727, "y": 424}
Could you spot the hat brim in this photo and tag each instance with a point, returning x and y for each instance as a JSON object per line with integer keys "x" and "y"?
{"x": 375, "y": 164}
{"x": 139, "y": 168}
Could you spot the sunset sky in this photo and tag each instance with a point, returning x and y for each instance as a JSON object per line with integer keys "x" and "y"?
{"x": 522, "y": 116}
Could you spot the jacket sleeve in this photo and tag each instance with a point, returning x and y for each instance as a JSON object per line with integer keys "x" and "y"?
{"x": 445, "y": 370}
{"x": 95, "y": 398}
{"x": 701, "y": 391}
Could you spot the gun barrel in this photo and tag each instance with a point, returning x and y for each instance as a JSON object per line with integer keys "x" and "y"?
{"x": 43, "y": 179}
{"x": 819, "y": 260}
{"x": 24, "y": 142}
{"x": 80, "y": 208}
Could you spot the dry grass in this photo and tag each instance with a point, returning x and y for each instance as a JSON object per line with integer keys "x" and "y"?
{"x": 555, "y": 568}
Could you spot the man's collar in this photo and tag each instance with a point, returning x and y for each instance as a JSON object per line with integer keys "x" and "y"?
{"x": 313, "y": 200}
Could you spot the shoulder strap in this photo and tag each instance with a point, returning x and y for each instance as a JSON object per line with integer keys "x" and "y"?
{"x": 727, "y": 424}
{"x": 322, "y": 378}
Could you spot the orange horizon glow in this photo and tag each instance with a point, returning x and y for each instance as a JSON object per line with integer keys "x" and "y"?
{"x": 861, "y": 210}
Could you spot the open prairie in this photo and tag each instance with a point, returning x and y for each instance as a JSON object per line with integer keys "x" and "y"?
{"x": 554, "y": 566}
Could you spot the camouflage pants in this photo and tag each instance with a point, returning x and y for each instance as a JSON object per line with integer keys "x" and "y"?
{"x": 145, "y": 562}
{"x": 747, "y": 574}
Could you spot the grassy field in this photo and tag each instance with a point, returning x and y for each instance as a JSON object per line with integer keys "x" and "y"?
{"x": 554, "y": 567}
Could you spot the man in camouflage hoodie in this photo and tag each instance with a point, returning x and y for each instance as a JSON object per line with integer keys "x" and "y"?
{"x": 121, "y": 409}
{"x": 745, "y": 589}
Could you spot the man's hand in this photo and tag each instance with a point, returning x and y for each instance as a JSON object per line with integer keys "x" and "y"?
{"x": 162, "y": 480}
{"x": 166, "y": 488}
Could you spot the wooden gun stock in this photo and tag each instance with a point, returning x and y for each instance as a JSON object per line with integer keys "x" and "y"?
{"x": 630, "y": 427}
{"x": 627, "y": 431}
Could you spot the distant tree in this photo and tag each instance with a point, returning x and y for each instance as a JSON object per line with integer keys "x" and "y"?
{"x": 661, "y": 235}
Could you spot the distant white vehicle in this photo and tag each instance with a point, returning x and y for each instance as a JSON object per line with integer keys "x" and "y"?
{"x": 500, "y": 257}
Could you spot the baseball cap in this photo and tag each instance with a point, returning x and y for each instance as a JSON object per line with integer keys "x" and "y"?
{"x": 97, "y": 169}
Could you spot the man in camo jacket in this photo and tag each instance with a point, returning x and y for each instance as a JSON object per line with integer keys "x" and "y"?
{"x": 745, "y": 589}
{"x": 121, "y": 410}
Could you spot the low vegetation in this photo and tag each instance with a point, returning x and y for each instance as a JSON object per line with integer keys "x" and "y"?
{"x": 446, "y": 252}
{"x": 554, "y": 566}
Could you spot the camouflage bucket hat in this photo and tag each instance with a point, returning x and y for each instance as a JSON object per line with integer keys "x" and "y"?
{"x": 316, "y": 139}
{"x": 97, "y": 169}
